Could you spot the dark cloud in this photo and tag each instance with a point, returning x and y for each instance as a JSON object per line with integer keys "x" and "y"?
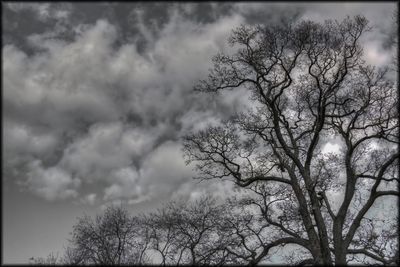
{"x": 105, "y": 86}
{"x": 21, "y": 20}
{"x": 95, "y": 91}
{"x": 273, "y": 13}
{"x": 92, "y": 110}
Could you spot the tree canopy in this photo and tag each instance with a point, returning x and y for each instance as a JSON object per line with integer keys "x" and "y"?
{"x": 309, "y": 84}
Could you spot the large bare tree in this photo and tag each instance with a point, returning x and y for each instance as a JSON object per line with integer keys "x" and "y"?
{"x": 309, "y": 84}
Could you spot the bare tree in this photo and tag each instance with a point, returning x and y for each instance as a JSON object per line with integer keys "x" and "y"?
{"x": 113, "y": 238}
{"x": 180, "y": 233}
{"x": 308, "y": 84}
{"x": 189, "y": 233}
{"x": 161, "y": 227}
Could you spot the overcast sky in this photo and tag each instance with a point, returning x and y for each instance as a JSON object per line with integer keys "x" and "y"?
{"x": 96, "y": 98}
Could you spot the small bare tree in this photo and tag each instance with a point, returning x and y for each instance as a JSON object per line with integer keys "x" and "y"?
{"x": 113, "y": 238}
{"x": 189, "y": 233}
{"x": 309, "y": 84}
{"x": 161, "y": 229}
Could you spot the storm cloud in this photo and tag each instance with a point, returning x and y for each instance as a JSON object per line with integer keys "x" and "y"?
{"x": 88, "y": 110}
{"x": 103, "y": 97}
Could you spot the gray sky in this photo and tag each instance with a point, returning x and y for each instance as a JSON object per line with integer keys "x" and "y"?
{"x": 96, "y": 97}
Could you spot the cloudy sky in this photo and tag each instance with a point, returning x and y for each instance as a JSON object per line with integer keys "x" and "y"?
{"x": 96, "y": 98}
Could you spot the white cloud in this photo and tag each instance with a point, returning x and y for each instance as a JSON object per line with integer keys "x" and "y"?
{"x": 65, "y": 84}
{"x": 162, "y": 173}
{"x": 125, "y": 184}
{"x": 331, "y": 148}
{"x": 21, "y": 139}
{"x": 374, "y": 54}
{"x": 164, "y": 170}
{"x": 89, "y": 199}
{"x": 106, "y": 147}
{"x": 51, "y": 183}
{"x": 193, "y": 190}
{"x": 195, "y": 120}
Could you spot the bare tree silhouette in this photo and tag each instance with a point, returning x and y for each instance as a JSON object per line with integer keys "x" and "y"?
{"x": 309, "y": 84}
{"x": 112, "y": 238}
{"x": 189, "y": 233}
